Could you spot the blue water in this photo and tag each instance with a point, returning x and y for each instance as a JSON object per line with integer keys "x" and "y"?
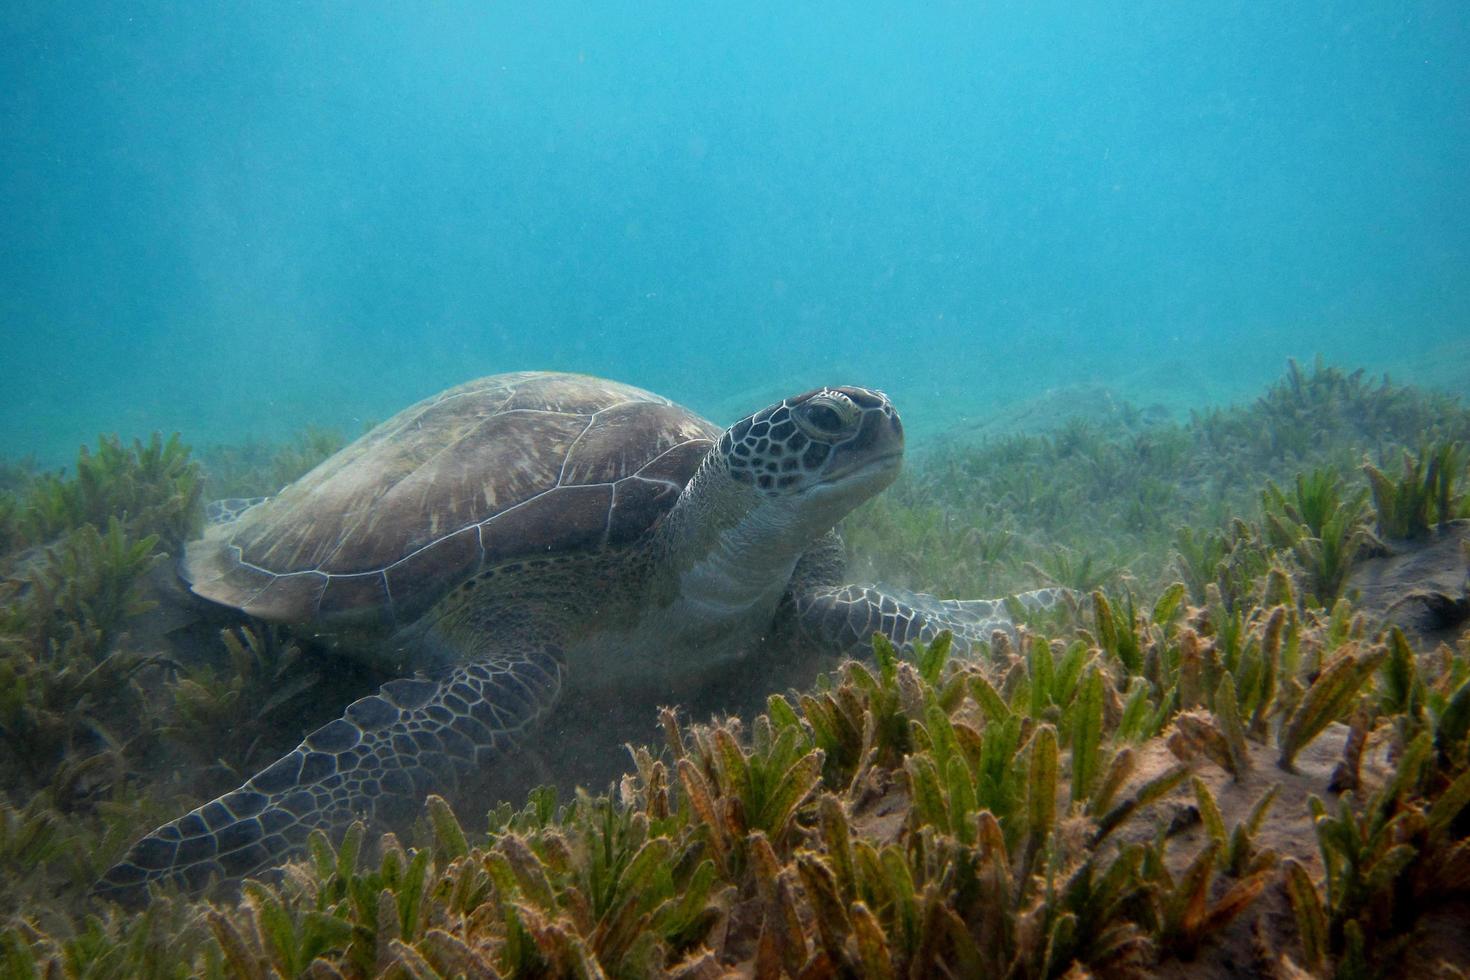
{"x": 232, "y": 219}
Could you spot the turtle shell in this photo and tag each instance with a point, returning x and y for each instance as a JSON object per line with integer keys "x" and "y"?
{"x": 502, "y": 468}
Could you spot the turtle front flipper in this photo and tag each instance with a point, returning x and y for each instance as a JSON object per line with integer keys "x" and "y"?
{"x": 415, "y": 736}
{"x": 229, "y": 509}
{"x": 845, "y": 617}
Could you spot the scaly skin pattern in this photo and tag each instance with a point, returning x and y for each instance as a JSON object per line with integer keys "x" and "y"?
{"x": 225, "y": 511}
{"x": 386, "y": 753}
{"x": 439, "y": 732}
{"x": 847, "y": 616}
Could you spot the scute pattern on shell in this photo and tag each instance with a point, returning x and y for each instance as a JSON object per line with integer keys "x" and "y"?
{"x": 495, "y": 469}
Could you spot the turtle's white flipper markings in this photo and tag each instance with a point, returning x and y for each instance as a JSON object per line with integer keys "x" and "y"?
{"x": 845, "y": 617}
{"x": 389, "y": 750}
{"x": 229, "y": 509}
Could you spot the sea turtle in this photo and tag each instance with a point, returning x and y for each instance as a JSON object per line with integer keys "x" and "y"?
{"x": 526, "y": 538}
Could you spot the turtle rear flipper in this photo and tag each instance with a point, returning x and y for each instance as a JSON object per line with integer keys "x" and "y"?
{"x": 845, "y": 617}
{"x": 377, "y": 762}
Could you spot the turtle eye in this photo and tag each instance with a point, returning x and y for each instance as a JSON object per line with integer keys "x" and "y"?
{"x": 827, "y": 415}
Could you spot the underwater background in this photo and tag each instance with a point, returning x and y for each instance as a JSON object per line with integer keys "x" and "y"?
{"x": 232, "y": 220}
{"x": 1172, "y": 297}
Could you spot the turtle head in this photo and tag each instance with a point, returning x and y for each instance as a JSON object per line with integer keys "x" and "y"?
{"x": 774, "y": 484}
{"x": 827, "y": 450}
